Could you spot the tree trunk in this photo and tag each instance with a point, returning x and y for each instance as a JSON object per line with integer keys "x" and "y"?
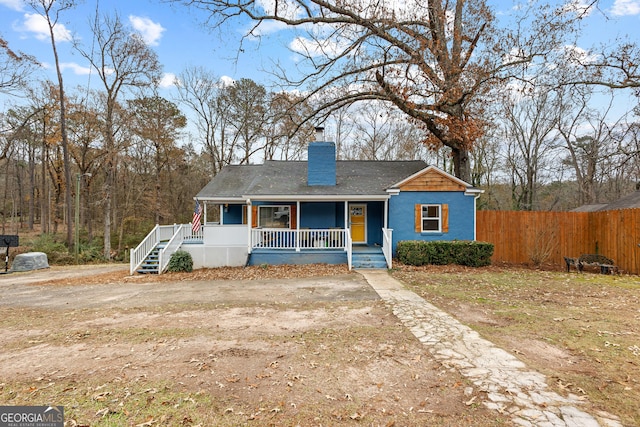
{"x": 461, "y": 164}
{"x": 44, "y": 207}
{"x": 107, "y": 221}
{"x": 68, "y": 210}
{"x": 32, "y": 184}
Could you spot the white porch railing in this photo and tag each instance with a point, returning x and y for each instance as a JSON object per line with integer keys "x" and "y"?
{"x": 278, "y": 238}
{"x": 140, "y": 253}
{"x": 158, "y": 234}
{"x": 387, "y": 248}
{"x": 182, "y": 233}
{"x": 349, "y": 247}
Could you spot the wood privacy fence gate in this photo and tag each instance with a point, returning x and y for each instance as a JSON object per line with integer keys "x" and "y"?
{"x": 528, "y": 237}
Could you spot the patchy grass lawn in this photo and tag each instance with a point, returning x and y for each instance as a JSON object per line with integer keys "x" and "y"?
{"x": 581, "y": 330}
{"x": 203, "y": 350}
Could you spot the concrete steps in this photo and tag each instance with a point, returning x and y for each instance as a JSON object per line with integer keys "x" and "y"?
{"x": 368, "y": 257}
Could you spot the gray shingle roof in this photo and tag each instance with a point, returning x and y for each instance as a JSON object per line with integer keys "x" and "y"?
{"x": 589, "y": 208}
{"x": 629, "y": 201}
{"x": 289, "y": 178}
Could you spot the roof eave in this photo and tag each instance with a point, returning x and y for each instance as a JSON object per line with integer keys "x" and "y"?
{"x": 321, "y": 198}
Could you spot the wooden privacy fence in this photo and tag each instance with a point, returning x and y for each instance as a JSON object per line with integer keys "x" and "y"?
{"x": 526, "y": 237}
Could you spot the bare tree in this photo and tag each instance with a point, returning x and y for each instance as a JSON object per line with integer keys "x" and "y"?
{"x": 530, "y": 122}
{"x": 373, "y": 132}
{"x": 435, "y": 60}
{"x": 588, "y": 137}
{"x": 199, "y": 91}
{"x": 50, "y": 10}
{"x": 157, "y": 122}
{"x": 245, "y": 105}
{"x": 123, "y": 61}
{"x": 15, "y": 68}
{"x": 286, "y": 139}
{"x": 617, "y": 68}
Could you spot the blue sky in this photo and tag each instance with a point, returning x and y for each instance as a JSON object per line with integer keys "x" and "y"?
{"x": 174, "y": 32}
{"x": 180, "y": 40}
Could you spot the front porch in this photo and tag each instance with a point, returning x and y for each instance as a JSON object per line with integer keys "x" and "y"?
{"x": 238, "y": 245}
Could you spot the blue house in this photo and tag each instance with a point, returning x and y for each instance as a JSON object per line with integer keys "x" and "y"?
{"x": 321, "y": 210}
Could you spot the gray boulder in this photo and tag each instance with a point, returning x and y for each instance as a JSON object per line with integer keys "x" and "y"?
{"x": 29, "y": 261}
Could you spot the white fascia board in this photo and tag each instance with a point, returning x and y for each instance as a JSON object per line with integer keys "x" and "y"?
{"x": 473, "y": 191}
{"x": 221, "y": 199}
{"x": 323, "y": 198}
{"x": 431, "y": 167}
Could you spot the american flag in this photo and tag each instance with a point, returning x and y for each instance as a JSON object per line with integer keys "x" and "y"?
{"x": 197, "y": 214}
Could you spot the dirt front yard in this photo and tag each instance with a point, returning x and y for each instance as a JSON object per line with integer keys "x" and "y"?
{"x": 308, "y": 345}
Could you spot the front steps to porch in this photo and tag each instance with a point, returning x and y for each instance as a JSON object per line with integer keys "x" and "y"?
{"x": 368, "y": 257}
{"x": 152, "y": 262}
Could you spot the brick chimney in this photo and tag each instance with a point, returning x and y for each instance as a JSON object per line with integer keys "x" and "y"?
{"x": 321, "y": 161}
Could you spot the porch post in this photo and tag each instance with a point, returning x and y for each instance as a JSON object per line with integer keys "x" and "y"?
{"x": 346, "y": 214}
{"x": 386, "y": 213}
{"x": 249, "y": 222}
{"x": 298, "y": 226}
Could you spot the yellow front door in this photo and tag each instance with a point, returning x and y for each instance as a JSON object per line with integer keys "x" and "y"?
{"x": 358, "y": 223}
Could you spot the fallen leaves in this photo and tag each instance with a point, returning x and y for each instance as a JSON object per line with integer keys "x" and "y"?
{"x": 206, "y": 274}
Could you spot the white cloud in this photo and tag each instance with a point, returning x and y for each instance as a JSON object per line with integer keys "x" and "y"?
{"x": 13, "y": 4}
{"x": 77, "y": 69}
{"x": 626, "y": 7}
{"x": 268, "y": 27}
{"x": 226, "y": 81}
{"x": 168, "y": 80}
{"x": 515, "y": 55}
{"x": 150, "y": 31}
{"x": 579, "y": 7}
{"x": 286, "y": 9}
{"x": 315, "y": 48}
{"x": 578, "y": 56}
{"x": 37, "y": 24}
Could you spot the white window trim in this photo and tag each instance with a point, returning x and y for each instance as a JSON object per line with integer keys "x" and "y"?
{"x": 438, "y": 218}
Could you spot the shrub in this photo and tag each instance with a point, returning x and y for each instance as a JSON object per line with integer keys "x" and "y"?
{"x": 180, "y": 261}
{"x": 57, "y": 252}
{"x": 468, "y": 253}
{"x": 90, "y": 253}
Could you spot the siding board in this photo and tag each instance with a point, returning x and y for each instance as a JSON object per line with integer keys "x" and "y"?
{"x": 432, "y": 180}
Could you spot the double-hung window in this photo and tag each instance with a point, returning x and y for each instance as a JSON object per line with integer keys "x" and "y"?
{"x": 431, "y": 219}
{"x": 274, "y": 216}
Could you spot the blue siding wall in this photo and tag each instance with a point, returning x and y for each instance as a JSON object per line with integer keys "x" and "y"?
{"x": 321, "y": 214}
{"x": 318, "y": 215}
{"x": 402, "y": 215}
{"x": 375, "y": 222}
{"x": 321, "y": 164}
{"x": 233, "y": 215}
{"x": 266, "y": 257}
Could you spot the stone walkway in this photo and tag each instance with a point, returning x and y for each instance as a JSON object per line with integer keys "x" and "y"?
{"x": 510, "y": 387}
